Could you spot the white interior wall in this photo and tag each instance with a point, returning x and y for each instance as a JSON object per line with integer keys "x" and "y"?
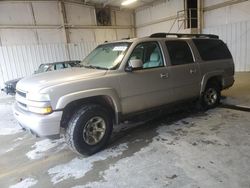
{"x": 226, "y": 15}
{"x": 232, "y": 24}
{"x": 158, "y": 18}
{"x": 48, "y": 14}
{"x": 22, "y": 60}
{"x": 15, "y": 13}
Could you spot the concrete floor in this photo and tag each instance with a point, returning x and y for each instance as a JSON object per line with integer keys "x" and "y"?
{"x": 188, "y": 149}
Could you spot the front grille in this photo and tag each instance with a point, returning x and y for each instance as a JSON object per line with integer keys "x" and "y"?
{"x": 21, "y": 105}
{"x": 21, "y": 99}
{"x": 21, "y": 93}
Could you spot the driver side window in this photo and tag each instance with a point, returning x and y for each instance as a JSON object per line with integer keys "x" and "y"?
{"x": 149, "y": 53}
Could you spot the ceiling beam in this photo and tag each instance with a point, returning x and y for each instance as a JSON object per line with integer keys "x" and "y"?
{"x": 86, "y": 3}
{"x": 148, "y": 4}
{"x": 67, "y": 26}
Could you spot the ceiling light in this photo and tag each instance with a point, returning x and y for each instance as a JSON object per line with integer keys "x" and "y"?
{"x": 128, "y": 2}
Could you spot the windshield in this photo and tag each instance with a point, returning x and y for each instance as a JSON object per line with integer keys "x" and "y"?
{"x": 106, "y": 56}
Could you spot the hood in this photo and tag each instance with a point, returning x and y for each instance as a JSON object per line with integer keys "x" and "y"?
{"x": 12, "y": 82}
{"x": 37, "y": 82}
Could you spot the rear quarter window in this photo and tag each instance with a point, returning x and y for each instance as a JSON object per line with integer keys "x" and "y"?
{"x": 212, "y": 49}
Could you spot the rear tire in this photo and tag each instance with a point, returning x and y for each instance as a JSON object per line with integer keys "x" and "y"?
{"x": 89, "y": 129}
{"x": 211, "y": 96}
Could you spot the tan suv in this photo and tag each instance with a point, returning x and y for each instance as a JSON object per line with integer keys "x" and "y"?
{"x": 120, "y": 80}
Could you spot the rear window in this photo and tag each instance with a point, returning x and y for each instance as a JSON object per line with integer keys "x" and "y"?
{"x": 212, "y": 49}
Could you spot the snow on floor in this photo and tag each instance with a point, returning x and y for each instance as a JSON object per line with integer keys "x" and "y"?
{"x": 41, "y": 147}
{"x": 26, "y": 183}
{"x": 146, "y": 168}
{"x": 169, "y": 160}
{"x": 77, "y": 168}
{"x": 11, "y": 146}
{"x": 8, "y": 124}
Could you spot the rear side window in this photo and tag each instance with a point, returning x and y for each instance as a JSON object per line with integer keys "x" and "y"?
{"x": 179, "y": 52}
{"x": 212, "y": 49}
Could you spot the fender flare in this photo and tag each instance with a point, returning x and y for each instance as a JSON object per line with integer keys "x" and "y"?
{"x": 109, "y": 92}
{"x": 207, "y": 76}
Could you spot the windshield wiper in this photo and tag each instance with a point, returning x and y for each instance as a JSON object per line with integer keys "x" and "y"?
{"x": 94, "y": 67}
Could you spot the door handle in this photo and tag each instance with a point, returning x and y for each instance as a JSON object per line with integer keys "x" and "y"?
{"x": 164, "y": 75}
{"x": 192, "y": 71}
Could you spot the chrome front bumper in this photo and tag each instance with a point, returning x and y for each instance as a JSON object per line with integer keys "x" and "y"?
{"x": 40, "y": 125}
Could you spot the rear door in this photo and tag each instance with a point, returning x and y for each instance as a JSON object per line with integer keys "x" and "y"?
{"x": 184, "y": 70}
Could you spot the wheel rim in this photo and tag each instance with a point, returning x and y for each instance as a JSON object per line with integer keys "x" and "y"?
{"x": 211, "y": 96}
{"x": 94, "y": 130}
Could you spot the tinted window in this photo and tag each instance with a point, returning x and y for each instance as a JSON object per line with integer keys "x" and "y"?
{"x": 67, "y": 65}
{"x": 212, "y": 49}
{"x": 59, "y": 66}
{"x": 149, "y": 53}
{"x": 179, "y": 52}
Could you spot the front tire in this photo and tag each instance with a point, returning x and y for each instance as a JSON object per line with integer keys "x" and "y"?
{"x": 89, "y": 129}
{"x": 211, "y": 96}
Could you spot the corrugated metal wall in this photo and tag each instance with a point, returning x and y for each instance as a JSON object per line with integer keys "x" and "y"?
{"x": 160, "y": 17}
{"x": 40, "y": 22}
{"x": 20, "y": 61}
{"x": 237, "y": 37}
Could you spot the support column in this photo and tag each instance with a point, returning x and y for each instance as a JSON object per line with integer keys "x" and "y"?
{"x": 64, "y": 20}
{"x": 200, "y": 6}
{"x": 134, "y": 32}
{"x": 34, "y": 21}
{"x": 63, "y": 26}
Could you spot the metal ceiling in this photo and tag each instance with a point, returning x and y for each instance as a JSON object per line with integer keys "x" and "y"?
{"x": 103, "y": 3}
{"x": 117, "y": 3}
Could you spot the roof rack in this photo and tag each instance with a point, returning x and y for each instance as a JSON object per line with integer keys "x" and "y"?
{"x": 179, "y": 35}
{"x": 127, "y": 38}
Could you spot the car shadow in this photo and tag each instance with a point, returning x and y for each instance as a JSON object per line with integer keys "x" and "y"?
{"x": 146, "y": 130}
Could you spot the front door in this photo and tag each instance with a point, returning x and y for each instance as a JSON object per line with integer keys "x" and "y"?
{"x": 149, "y": 86}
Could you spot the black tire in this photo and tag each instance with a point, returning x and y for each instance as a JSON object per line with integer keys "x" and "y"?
{"x": 74, "y": 134}
{"x": 211, "y": 96}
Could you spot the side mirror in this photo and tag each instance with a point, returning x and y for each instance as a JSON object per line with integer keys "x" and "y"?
{"x": 134, "y": 65}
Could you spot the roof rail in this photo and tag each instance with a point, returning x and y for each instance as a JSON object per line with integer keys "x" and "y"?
{"x": 179, "y": 35}
{"x": 127, "y": 38}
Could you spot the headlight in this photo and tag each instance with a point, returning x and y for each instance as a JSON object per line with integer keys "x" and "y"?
{"x": 40, "y": 110}
{"x": 38, "y": 103}
{"x": 37, "y": 97}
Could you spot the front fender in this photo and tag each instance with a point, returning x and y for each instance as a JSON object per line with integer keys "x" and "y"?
{"x": 66, "y": 99}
